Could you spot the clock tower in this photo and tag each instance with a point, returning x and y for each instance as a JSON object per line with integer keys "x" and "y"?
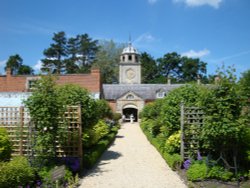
{"x": 130, "y": 66}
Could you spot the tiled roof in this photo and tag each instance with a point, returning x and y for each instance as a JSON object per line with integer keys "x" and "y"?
{"x": 145, "y": 91}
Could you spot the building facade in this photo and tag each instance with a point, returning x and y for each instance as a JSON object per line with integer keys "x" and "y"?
{"x": 16, "y": 88}
{"x": 130, "y": 96}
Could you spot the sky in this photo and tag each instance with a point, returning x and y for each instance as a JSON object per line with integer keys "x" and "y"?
{"x": 216, "y": 31}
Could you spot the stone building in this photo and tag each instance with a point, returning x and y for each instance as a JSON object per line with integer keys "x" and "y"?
{"x": 130, "y": 96}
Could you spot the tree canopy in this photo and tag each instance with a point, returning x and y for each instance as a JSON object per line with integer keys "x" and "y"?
{"x": 15, "y": 63}
{"x": 73, "y": 55}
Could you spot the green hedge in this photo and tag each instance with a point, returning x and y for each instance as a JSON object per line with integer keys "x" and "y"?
{"x": 5, "y": 145}
{"x": 91, "y": 156}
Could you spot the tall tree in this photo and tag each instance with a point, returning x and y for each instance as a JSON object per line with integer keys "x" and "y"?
{"x": 55, "y": 54}
{"x": 107, "y": 60}
{"x": 191, "y": 69}
{"x": 181, "y": 69}
{"x": 25, "y": 70}
{"x": 15, "y": 63}
{"x": 149, "y": 68}
{"x": 72, "y": 62}
{"x": 87, "y": 52}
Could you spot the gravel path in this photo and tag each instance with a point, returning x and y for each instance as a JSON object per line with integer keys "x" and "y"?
{"x": 131, "y": 162}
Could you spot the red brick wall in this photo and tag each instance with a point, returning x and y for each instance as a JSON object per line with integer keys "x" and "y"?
{"x": 91, "y": 82}
{"x": 112, "y": 105}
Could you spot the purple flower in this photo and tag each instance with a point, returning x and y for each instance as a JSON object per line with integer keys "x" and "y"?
{"x": 199, "y": 157}
{"x": 187, "y": 164}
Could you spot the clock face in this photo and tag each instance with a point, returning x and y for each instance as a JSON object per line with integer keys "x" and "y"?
{"x": 130, "y": 73}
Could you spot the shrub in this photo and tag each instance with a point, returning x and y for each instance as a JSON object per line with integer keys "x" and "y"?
{"x": 197, "y": 172}
{"x": 117, "y": 116}
{"x": 93, "y": 135}
{"x": 45, "y": 174}
{"x": 92, "y": 155}
{"x": 16, "y": 173}
{"x": 5, "y": 145}
{"x": 174, "y": 161}
{"x": 173, "y": 143}
{"x": 218, "y": 172}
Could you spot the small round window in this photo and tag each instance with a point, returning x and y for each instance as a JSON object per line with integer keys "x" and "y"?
{"x": 130, "y": 97}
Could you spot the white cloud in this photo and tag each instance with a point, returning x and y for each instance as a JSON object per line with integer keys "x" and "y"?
{"x": 196, "y": 54}
{"x": 197, "y": 3}
{"x": 152, "y": 1}
{"x": 2, "y": 63}
{"x": 145, "y": 37}
{"x": 38, "y": 65}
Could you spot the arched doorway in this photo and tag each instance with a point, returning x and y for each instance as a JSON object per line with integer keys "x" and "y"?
{"x": 130, "y": 109}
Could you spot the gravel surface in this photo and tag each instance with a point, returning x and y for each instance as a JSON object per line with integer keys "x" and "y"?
{"x": 131, "y": 162}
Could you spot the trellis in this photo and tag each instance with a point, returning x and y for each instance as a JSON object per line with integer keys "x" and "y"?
{"x": 22, "y": 131}
{"x": 191, "y": 122}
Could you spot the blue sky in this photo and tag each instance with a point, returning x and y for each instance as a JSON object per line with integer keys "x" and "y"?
{"x": 216, "y": 31}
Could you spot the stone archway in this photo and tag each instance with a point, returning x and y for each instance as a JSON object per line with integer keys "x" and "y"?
{"x": 129, "y": 109}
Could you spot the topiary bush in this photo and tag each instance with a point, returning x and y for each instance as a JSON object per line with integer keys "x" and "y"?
{"x": 5, "y": 145}
{"x": 16, "y": 173}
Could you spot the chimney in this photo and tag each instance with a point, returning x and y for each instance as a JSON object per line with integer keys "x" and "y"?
{"x": 198, "y": 79}
{"x": 169, "y": 80}
{"x": 8, "y": 72}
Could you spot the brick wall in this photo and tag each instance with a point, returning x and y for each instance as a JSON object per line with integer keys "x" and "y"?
{"x": 14, "y": 83}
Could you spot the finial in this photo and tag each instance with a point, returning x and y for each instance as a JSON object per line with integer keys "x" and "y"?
{"x": 129, "y": 40}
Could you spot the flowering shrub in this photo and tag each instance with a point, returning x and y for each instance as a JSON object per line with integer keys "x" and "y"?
{"x": 173, "y": 143}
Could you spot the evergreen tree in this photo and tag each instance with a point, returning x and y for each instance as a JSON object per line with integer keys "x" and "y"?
{"x": 55, "y": 54}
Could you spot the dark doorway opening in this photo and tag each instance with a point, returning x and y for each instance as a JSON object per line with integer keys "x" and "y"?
{"x": 128, "y": 111}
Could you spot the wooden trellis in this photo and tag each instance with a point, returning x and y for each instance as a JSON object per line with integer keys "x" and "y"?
{"x": 191, "y": 122}
{"x": 22, "y": 131}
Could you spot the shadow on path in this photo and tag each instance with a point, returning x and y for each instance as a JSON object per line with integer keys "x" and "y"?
{"x": 105, "y": 158}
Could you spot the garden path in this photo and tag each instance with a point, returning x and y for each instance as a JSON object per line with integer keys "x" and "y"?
{"x": 131, "y": 162}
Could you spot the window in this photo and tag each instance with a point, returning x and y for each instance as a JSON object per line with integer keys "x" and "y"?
{"x": 160, "y": 94}
{"x": 31, "y": 84}
{"x": 130, "y": 57}
{"x": 130, "y": 97}
{"x": 123, "y": 58}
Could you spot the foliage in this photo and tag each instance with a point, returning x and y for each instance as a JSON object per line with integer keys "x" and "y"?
{"x": 197, "y": 171}
{"x": 173, "y": 160}
{"x": 170, "y": 109}
{"x": 45, "y": 174}
{"x": 107, "y": 60}
{"x": 225, "y": 127}
{"x": 218, "y": 172}
{"x": 45, "y": 109}
{"x": 70, "y": 94}
{"x": 117, "y": 116}
{"x": 54, "y": 55}
{"x": 15, "y": 173}
{"x": 15, "y": 63}
{"x": 173, "y": 143}
{"x": 149, "y": 69}
{"x": 182, "y": 69}
{"x": 103, "y": 109}
{"x": 91, "y": 155}
{"x": 5, "y": 145}
{"x": 95, "y": 133}
{"x": 245, "y": 84}
{"x": 73, "y": 55}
